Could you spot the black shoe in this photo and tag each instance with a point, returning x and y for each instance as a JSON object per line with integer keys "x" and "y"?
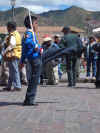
{"x": 24, "y": 82}
{"x": 74, "y": 85}
{"x": 97, "y": 86}
{"x": 70, "y": 85}
{"x": 6, "y": 89}
{"x": 29, "y": 104}
{"x": 16, "y": 89}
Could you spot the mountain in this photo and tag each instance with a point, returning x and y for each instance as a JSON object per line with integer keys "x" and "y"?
{"x": 73, "y": 16}
{"x": 20, "y": 14}
{"x": 6, "y": 16}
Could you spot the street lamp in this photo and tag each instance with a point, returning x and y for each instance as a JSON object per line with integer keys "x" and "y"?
{"x": 13, "y": 2}
{"x": 87, "y": 20}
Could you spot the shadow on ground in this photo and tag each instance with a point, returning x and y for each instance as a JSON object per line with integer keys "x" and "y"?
{"x": 85, "y": 88}
{"x": 2, "y": 104}
{"x": 10, "y": 103}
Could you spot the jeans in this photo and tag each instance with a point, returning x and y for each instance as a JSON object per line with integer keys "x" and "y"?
{"x": 14, "y": 74}
{"x": 59, "y": 71}
{"x": 93, "y": 63}
{"x": 28, "y": 70}
{"x": 35, "y": 67}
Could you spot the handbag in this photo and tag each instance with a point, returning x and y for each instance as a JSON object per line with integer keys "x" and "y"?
{"x": 8, "y": 56}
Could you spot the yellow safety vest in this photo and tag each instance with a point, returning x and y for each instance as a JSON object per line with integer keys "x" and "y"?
{"x": 15, "y": 52}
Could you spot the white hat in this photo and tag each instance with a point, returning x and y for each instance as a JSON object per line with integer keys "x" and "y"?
{"x": 57, "y": 35}
{"x": 46, "y": 39}
{"x": 96, "y": 30}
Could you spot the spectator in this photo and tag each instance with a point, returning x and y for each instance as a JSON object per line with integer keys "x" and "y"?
{"x": 50, "y": 69}
{"x": 4, "y": 66}
{"x": 90, "y": 56}
{"x": 12, "y": 55}
{"x": 56, "y": 44}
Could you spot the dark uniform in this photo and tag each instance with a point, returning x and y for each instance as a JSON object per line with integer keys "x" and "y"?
{"x": 97, "y": 49}
{"x": 71, "y": 40}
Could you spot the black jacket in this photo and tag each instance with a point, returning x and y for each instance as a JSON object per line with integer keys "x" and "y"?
{"x": 96, "y": 47}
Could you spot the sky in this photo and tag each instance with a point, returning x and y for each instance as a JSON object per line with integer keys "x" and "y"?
{"x": 39, "y": 6}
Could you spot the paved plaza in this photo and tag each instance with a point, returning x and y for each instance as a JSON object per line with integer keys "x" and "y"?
{"x": 61, "y": 110}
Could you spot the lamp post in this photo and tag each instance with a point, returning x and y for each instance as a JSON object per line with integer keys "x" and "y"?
{"x": 88, "y": 25}
{"x": 13, "y": 2}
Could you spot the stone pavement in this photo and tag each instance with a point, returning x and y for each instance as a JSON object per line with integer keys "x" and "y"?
{"x": 61, "y": 110}
{"x": 82, "y": 78}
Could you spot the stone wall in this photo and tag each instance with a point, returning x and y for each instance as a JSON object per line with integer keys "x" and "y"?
{"x": 41, "y": 31}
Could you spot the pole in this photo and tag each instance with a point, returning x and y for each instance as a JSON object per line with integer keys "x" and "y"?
{"x": 32, "y": 26}
{"x": 13, "y": 14}
{"x": 13, "y": 2}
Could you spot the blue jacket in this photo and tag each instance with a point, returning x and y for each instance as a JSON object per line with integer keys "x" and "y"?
{"x": 55, "y": 45}
{"x": 29, "y": 47}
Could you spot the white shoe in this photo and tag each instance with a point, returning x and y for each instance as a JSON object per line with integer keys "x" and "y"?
{"x": 93, "y": 78}
{"x": 87, "y": 78}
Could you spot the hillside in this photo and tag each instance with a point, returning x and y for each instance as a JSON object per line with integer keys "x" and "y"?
{"x": 6, "y": 16}
{"x": 74, "y": 16}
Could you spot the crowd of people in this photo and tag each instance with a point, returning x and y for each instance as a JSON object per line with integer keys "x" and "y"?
{"x": 22, "y": 61}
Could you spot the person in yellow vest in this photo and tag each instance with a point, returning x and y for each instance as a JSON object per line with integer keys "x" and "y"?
{"x": 12, "y": 55}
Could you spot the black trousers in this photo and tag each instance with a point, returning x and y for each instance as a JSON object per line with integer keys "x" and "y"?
{"x": 71, "y": 69}
{"x": 98, "y": 74}
{"x": 35, "y": 67}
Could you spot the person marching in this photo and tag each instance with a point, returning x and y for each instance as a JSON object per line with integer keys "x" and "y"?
{"x": 70, "y": 40}
{"x": 31, "y": 51}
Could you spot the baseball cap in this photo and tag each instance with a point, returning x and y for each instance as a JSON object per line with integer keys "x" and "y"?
{"x": 66, "y": 28}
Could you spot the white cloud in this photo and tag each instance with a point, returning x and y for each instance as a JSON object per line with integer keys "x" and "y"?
{"x": 39, "y": 9}
{"x": 45, "y": 5}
